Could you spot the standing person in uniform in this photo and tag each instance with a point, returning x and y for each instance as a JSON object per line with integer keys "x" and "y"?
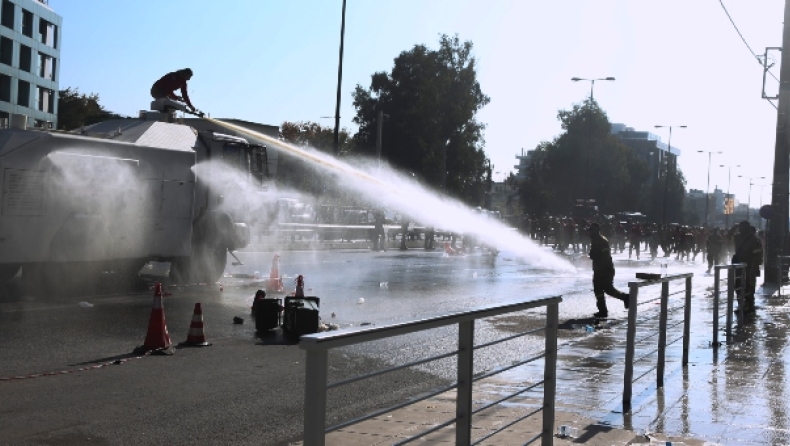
{"x": 166, "y": 86}
{"x": 713, "y": 247}
{"x": 603, "y": 271}
{"x": 748, "y": 250}
{"x": 619, "y": 237}
{"x": 635, "y": 234}
{"x": 379, "y": 236}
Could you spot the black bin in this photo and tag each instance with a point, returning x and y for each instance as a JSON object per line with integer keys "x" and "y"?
{"x": 301, "y": 315}
{"x": 267, "y": 313}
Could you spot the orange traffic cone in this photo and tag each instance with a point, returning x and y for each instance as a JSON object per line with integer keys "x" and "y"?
{"x": 449, "y": 250}
{"x": 275, "y": 283}
{"x": 157, "y": 339}
{"x": 196, "y": 337}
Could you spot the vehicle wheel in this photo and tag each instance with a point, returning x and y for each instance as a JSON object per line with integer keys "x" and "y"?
{"x": 205, "y": 265}
{"x": 125, "y": 275}
{"x": 7, "y": 272}
{"x": 212, "y": 261}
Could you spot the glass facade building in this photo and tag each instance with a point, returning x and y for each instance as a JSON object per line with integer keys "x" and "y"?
{"x": 29, "y": 60}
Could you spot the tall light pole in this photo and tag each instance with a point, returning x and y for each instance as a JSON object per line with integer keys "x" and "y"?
{"x": 707, "y": 191}
{"x": 336, "y": 141}
{"x": 729, "y": 174}
{"x": 749, "y": 205}
{"x": 589, "y": 126}
{"x": 666, "y": 178}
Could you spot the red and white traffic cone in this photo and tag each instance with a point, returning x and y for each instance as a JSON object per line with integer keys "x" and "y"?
{"x": 275, "y": 283}
{"x": 449, "y": 250}
{"x": 157, "y": 339}
{"x": 196, "y": 336}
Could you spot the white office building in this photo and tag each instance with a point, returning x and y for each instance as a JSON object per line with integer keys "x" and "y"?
{"x": 29, "y": 55}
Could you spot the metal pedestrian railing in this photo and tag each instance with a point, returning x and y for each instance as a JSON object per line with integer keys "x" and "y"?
{"x": 784, "y": 265}
{"x": 628, "y": 378}
{"x": 733, "y": 289}
{"x": 317, "y": 347}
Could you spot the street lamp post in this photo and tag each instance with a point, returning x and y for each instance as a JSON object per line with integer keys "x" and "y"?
{"x": 707, "y": 191}
{"x": 336, "y": 136}
{"x": 589, "y": 125}
{"x": 729, "y": 175}
{"x": 749, "y": 201}
{"x": 666, "y": 179}
{"x": 761, "y": 202}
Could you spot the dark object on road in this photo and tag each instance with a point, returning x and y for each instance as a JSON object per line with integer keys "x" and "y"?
{"x": 301, "y": 315}
{"x": 267, "y": 314}
{"x": 237, "y": 320}
{"x": 648, "y": 276}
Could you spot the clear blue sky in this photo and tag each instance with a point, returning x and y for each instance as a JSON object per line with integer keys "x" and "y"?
{"x": 677, "y": 62}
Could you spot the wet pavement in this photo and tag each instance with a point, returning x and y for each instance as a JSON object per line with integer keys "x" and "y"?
{"x": 731, "y": 394}
{"x": 734, "y": 393}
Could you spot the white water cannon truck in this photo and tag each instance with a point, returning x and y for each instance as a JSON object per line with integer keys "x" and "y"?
{"x": 112, "y": 196}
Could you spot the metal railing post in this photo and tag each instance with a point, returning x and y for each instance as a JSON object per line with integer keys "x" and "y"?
{"x": 687, "y": 322}
{"x": 740, "y": 272}
{"x": 662, "y": 334}
{"x": 628, "y": 375}
{"x": 716, "y": 291}
{"x": 550, "y": 374}
{"x": 730, "y": 295}
{"x": 315, "y": 397}
{"x": 463, "y": 400}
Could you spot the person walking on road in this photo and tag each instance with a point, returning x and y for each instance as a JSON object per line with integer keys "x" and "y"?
{"x": 603, "y": 272}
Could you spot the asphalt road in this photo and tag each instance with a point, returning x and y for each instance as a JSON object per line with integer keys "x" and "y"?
{"x": 80, "y": 382}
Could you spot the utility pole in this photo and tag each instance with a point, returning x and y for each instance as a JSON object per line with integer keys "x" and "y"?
{"x": 336, "y": 146}
{"x": 379, "y": 127}
{"x": 777, "y": 227}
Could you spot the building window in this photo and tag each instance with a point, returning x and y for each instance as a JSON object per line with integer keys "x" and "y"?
{"x": 5, "y": 88}
{"x": 8, "y": 14}
{"x": 25, "y": 58}
{"x": 6, "y": 50}
{"x": 46, "y": 66}
{"x": 23, "y": 93}
{"x": 27, "y": 23}
{"x": 46, "y": 33}
{"x": 44, "y": 101}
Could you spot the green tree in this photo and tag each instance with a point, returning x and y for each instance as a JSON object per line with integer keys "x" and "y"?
{"x": 587, "y": 162}
{"x": 76, "y": 110}
{"x": 431, "y": 98}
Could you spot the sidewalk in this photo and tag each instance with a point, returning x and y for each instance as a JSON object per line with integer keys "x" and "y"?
{"x": 731, "y": 394}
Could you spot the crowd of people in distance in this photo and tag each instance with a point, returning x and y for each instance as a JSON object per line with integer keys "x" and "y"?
{"x": 571, "y": 235}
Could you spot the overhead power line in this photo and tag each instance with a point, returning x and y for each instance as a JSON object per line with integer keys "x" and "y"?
{"x": 756, "y": 57}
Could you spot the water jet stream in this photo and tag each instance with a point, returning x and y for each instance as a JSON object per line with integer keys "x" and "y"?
{"x": 389, "y": 188}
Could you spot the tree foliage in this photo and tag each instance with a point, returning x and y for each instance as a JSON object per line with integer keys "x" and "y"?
{"x": 76, "y": 109}
{"x": 587, "y": 162}
{"x": 430, "y": 98}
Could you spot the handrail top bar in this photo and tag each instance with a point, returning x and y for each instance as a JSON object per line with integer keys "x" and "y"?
{"x": 349, "y": 336}
{"x": 730, "y": 266}
{"x": 660, "y": 280}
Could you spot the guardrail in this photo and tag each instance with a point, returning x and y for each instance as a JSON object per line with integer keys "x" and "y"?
{"x": 783, "y": 264}
{"x": 317, "y": 347}
{"x": 628, "y": 376}
{"x": 732, "y": 272}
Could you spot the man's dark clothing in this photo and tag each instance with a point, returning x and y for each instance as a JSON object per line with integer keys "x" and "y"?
{"x": 603, "y": 272}
{"x": 748, "y": 250}
{"x": 167, "y": 84}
